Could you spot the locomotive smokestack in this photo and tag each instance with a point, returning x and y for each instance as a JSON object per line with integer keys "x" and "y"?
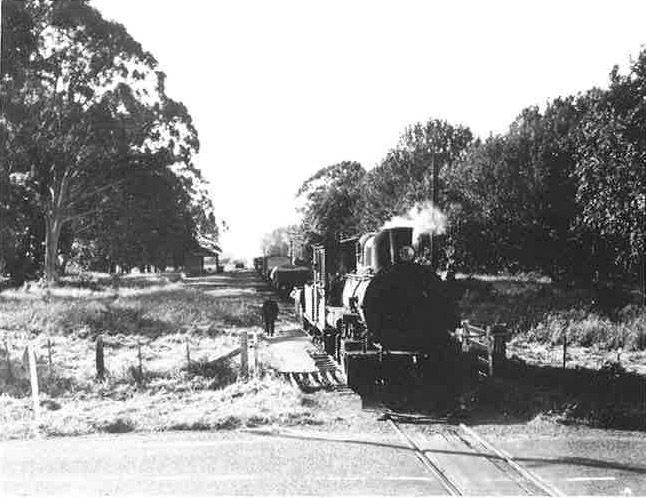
{"x": 423, "y": 218}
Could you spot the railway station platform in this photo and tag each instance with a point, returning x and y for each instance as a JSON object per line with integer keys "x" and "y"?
{"x": 288, "y": 351}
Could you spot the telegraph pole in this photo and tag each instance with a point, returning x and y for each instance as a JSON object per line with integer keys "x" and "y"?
{"x": 434, "y": 197}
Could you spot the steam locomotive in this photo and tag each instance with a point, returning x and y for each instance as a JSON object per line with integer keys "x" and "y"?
{"x": 376, "y": 310}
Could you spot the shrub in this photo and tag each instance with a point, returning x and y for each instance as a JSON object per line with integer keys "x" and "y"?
{"x": 586, "y": 328}
{"x": 635, "y": 325}
{"x": 222, "y": 373}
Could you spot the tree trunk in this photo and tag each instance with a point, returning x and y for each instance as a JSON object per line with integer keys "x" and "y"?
{"x": 53, "y": 225}
{"x": 54, "y": 219}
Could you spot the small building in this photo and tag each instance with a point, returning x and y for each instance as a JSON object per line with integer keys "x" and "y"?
{"x": 194, "y": 260}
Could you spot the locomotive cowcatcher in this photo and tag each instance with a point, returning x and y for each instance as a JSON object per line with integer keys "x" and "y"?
{"x": 382, "y": 315}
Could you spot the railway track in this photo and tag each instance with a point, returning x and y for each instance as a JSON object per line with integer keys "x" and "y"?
{"x": 461, "y": 460}
{"x": 465, "y": 464}
{"x": 328, "y": 376}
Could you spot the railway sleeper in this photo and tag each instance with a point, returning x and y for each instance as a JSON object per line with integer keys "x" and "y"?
{"x": 313, "y": 381}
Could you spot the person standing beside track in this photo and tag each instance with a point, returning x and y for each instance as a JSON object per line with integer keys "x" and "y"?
{"x": 269, "y": 314}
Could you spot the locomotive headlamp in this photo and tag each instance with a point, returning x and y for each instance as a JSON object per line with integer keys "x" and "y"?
{"x": 406, "y": 253}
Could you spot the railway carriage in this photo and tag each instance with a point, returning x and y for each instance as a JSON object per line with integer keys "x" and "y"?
{"x": 382, "y": 315}
{"x": 271, "y": 262}
{"x": 285, "y": 277}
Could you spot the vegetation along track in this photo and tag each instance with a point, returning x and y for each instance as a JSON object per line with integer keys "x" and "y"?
{"x": 465, "y": 463}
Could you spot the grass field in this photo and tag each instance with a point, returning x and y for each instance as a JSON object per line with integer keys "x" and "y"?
{"x": 153, "y": 313}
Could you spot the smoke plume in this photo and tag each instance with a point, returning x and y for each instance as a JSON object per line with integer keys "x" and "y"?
{"x": 423, "y": 217}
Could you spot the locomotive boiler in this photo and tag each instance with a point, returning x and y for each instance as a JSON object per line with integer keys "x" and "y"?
{"x": 376, "y": 310}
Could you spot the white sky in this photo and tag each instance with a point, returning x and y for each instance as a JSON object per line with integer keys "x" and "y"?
{"x": 279, "y": 89}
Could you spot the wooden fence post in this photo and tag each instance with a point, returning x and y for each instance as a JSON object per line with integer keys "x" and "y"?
{"x": 49, "y": 356}
{"x": 489, "y": 350}
{"x": 564, "y": 344}
{"x": 141, "y": 366}
{"x": 642, "y": 280}
{"x": 500, "y": 335}
{"x": 9, "y": 371}
{"x": 100, "y": 363}
{"x": 466, "y": 336}
{"x": 256, "y": 353}
{"x": 188, "y": 354}
{"x": 33, "y": 374}
{"x": 244, "y": 355}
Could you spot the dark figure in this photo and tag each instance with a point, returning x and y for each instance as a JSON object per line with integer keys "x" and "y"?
{"x": 269, "y": 314}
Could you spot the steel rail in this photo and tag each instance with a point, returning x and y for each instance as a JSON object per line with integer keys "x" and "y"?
{"x": 445, "y": 480}
{"x": 528, "y": 487}
{"x": 544, "y": 486}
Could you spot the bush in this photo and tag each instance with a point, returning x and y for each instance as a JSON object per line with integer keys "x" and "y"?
{"x": 634, "y": 321}
{"x": 221, "y": 373}
{"x": 586, "y": 328}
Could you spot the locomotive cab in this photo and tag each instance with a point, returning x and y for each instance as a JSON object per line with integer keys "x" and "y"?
{"x": 386, "y": 248}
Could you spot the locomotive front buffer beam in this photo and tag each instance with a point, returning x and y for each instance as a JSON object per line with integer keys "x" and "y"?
{"x": 365, "y": 362}
{"x": 366, "y": 366}
{"x": 362, "y": 368}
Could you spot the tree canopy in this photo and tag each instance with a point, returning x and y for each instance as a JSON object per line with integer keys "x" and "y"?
{"x": 562, "y": 191}
{"x": 330, "y": 201}
{"x": 405, "y": 176}
{"x": 276, "y": 242}
{"x": 611, "y": 165}
{"x": 91, "y": 139}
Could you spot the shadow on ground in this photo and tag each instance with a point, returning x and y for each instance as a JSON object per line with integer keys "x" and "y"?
{"x": 327, "y": 437}
{"x": 606, "y": 398}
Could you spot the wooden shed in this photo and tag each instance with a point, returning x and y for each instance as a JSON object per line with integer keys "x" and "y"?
{"x": 194, "y": 261}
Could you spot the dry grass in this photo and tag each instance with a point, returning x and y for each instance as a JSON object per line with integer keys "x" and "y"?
{"x": 249, "y": 404}
{"x": 148, "y": 312}
{"x": 588, "y": 329}
{"x": 163, "y": 319}
{"x": 153, "y": 310}
{"x": 539, "y": 312}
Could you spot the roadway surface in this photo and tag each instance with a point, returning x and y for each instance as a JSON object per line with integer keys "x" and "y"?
{"x": 198, "y": 464}
{"x": 584, "y": 461}
{"x": 288, "y": 462}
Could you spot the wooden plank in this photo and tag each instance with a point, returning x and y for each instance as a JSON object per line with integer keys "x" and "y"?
{"x": 226, "y": 356}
